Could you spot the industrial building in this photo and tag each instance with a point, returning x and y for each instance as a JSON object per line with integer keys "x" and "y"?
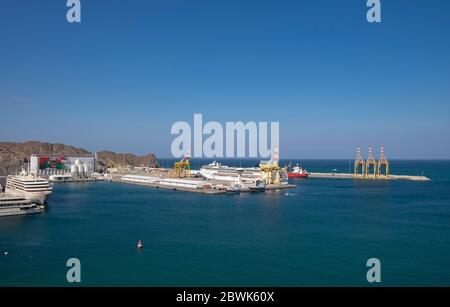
{"x": 53, "y": 164}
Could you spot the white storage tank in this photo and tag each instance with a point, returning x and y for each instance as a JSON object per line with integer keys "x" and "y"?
{"x": 74, "y": 169}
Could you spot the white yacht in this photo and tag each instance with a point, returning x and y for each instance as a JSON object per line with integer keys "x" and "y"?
{"x": 31, "y": 187}
{"x": 16, "y": 205}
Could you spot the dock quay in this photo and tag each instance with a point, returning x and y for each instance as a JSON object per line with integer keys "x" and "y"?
{"x": 80, "y": 180}
{"x": 195, "y": 185}
{"x": 358, "y": 177}
{"x": 157, "y": 185}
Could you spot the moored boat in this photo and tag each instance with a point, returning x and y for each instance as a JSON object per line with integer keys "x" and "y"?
{"x": 297, "y": 172}
{"x": 31, "y": 187}
{"x": 16, "y": 205}
{"x": 259, "y": 186}
{"x": 235, "y": 188}
{"x": 216, "y": 171}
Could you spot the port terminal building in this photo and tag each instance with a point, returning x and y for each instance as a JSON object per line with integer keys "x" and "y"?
{"x": 46, "y": 165}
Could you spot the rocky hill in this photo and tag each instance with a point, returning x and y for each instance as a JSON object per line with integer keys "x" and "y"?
{"x": 114, "y": 159}
{"x": 14, "y": 155}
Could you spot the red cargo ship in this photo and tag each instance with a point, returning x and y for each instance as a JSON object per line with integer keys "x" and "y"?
{"x": 297, "y": 172}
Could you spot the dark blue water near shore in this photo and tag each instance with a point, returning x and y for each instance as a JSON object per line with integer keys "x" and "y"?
{"x": 320, "y": 233}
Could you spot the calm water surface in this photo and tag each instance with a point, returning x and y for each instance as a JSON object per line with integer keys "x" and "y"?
{"x": 320, "y": 233}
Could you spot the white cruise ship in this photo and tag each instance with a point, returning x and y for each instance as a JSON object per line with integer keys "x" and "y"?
{"x": 31, "y": 187}
{"x": 16, "y": 205}
{"x": 216, "y": 171}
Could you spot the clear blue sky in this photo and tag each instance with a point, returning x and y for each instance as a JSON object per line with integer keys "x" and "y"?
{"x": 122, "y": 77}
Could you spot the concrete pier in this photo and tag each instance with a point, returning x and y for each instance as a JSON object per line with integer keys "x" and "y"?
{"x": 168, "y": 187}
{"x": 214, "y": 186}
{"x": 352, "y": 176}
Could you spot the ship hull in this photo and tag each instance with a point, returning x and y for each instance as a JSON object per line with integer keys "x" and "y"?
{"x": 297, "y": 175}
{"x": 38, "y": 198}
{"x": 18, "y": 211}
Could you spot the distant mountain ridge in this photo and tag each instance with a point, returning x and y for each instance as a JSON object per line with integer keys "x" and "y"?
{"x": 117, "y": 159}
{"x": 13, "y": 155}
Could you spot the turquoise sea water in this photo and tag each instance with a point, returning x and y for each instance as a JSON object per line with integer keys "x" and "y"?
{"x": 320, "y": 233}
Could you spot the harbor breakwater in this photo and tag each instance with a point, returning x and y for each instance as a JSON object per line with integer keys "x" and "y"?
{"x": 356, "y": 177}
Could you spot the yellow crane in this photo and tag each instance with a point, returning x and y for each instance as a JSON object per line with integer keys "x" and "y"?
{"x": 370, "y": 163}
{"x": 271, "y": 171}
{"x": 383, "y": 162}
{"x": 359, "y": 163}
{"x": 182, "y": 169}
